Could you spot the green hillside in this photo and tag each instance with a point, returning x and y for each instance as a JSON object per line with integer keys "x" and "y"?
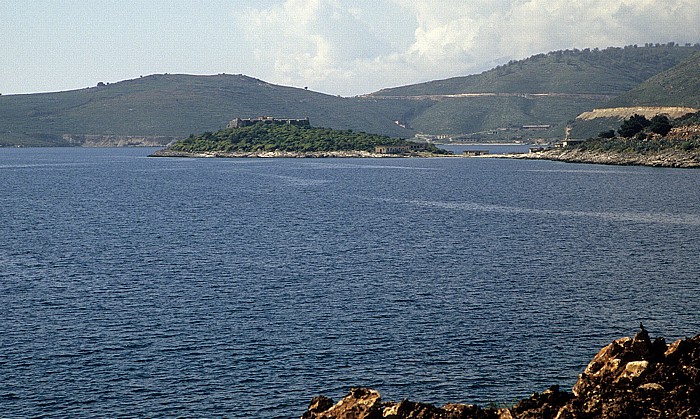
{"x": 545, "y": 89}
{"x": 178, "y": 105}
{"x": 610, "y": 71}
{"x": 261, "y": 137}
{"x": 678, "y": 86}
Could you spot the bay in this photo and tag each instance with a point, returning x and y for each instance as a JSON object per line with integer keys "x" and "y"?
{"x": 133, "y": 286}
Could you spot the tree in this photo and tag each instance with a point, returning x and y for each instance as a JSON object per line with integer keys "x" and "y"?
{"x": 660, "y": 124}
{"x": 634, "y": 124}
{"x": 607, "y": 134}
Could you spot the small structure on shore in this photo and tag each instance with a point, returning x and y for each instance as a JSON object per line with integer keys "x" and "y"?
{"x": 399, "y": 149}
{"x": 240, "y": 123}
{"x": 568, "y": 143}
{"x": 473, "y": 153}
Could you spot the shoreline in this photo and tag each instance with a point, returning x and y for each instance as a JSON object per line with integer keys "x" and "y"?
{"x": 294, "y": 154}
{"x": 669, "y": 158}
{"x": 630, "y": 377}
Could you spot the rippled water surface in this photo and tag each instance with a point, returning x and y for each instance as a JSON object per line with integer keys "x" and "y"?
{"x": 163, "y": 287}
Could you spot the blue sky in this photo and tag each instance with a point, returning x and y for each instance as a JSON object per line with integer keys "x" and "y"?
{"x": 332, "y": 46}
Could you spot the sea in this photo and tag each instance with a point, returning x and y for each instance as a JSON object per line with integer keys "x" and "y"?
{"x": 159, "y": 287}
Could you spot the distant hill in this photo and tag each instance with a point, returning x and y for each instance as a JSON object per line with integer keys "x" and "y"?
{"x": 545, "y": 89}
{"x": 674, "y": 92}
{"x": 176, "y": 106}
{"x": 532, "y": 98}
{"x": 677, "y": 86}
{"x": 610, "y": 71}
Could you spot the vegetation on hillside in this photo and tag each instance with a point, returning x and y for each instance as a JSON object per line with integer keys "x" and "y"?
{"x": 610, "y": 71}
{"x": 569, "y": 82}
{"x": 638, "y": 134}
{"x": 289, "y": 138}
{"x": 678, "y": 86}
{"x": 177, "y": 105}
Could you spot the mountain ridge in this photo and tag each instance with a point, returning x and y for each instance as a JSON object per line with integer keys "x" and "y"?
{"x": 545, "y": 90}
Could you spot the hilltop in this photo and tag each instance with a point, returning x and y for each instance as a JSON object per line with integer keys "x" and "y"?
{"x": 677, "y": 86}
{"x": 174, "y": 105}
{"x": 546, "y": 90}
{"x": 606, "y": 72}
{"x": 532, "y": 98}
{"x": 674, "y": 92}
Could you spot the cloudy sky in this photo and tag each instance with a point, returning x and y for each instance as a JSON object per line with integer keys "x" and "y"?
{"x": 333, "y": 46}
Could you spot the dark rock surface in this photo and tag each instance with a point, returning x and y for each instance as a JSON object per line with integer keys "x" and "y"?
{"x": 629, "y": 378}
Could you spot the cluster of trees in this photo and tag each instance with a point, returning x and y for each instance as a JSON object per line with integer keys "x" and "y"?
{"x": 291, "y": 138}
{"x": 639, "y": 125}
{"x": 642, "y": 135}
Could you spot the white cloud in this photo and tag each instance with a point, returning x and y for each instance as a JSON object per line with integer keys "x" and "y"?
{"x": 356, "y": 48}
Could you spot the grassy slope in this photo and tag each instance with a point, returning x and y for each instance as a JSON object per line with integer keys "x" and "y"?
{"x": 178, "y": 105}
{"x": 609, "y": 71}
{"x": 678, "y": 86}
{"x": 612, "y": 71}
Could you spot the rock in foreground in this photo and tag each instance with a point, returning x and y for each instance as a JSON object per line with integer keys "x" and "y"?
{"x": 629, "y": 378}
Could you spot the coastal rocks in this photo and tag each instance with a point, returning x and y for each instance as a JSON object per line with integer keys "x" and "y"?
{"x": 666, "y": 158}
{"x": 630, "y": 377}
{"x": 362, "y": 403}
{"x": 679, "y": 151}
{"x": 271, "y": 154}
{"x": 636, "y": 376}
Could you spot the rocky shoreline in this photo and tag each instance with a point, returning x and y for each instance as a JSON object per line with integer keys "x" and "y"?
{"x": 290, "y": 154}
{"x": 629, "y": 378}
{"x": 667, "y": 158}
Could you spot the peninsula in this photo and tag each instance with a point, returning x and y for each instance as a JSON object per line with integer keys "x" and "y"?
{"x": 281, "y": 137}
{"x": 658, "y": 142}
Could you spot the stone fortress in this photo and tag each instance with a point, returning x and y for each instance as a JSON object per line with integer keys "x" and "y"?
{"x": 240, "y": 123}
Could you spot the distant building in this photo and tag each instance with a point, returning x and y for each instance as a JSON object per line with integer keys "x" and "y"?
{"x": 240, "y": 123}
{"x": 399, "y": 149}
{"x": 537, "y": 127}
{"x": 392, "y": 149}
{"x": 568, "y": 143}
{"x": 472, "y": 153}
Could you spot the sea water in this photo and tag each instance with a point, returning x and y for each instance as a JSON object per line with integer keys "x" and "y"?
{"x": 136, "y": 286}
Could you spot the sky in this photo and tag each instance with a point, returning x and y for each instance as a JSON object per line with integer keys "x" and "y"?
{"x": 337, "y": 47}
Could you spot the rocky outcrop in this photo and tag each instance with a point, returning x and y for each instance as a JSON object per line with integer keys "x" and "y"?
{"x": 680, "y": 150}
{"x": 289, "y": 154}
{"x": 629, "y": 378}
{"x": 664, "y": 158}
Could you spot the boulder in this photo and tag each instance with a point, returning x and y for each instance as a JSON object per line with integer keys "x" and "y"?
{"x": 629, "y": 378}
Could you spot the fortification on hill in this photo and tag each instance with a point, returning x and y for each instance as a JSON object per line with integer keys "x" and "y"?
{"x": 240, "y": 123}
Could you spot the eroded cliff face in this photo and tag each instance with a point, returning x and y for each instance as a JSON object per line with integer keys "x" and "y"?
{"x": 629, "y": 378}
